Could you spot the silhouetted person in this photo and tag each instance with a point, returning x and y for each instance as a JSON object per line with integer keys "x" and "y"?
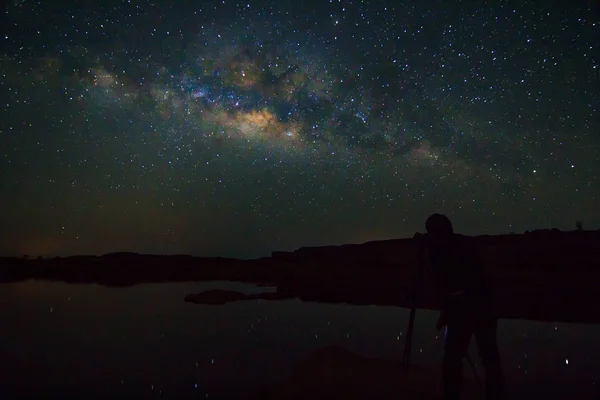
{"x": 466, "y": 307}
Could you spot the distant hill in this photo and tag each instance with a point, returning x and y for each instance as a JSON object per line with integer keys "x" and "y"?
{"x": 543, "y": 274}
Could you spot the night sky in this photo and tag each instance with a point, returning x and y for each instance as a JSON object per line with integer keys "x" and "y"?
{"x": 237, "y": 128}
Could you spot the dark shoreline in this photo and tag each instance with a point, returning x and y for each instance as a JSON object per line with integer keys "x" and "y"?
{"x": 544, "y": 275}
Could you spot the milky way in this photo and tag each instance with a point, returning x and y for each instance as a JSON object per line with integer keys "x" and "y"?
{"x": 235, "y": 129}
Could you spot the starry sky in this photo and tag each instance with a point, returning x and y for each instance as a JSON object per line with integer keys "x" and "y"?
{"x": 237, "y": 128}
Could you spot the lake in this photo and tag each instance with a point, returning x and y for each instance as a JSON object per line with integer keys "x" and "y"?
{"x": 69, "y": 341}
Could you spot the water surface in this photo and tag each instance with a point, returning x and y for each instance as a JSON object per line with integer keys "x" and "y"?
{"x": 87, "y": 341}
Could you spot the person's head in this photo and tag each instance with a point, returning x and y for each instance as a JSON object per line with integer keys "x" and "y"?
{"x": 439, "y": 226}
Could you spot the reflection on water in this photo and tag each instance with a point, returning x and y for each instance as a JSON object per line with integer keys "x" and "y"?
{"x": 86, "y": 341}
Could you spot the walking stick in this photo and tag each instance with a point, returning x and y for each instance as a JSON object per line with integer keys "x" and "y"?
{"x": 413, "y": 300}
